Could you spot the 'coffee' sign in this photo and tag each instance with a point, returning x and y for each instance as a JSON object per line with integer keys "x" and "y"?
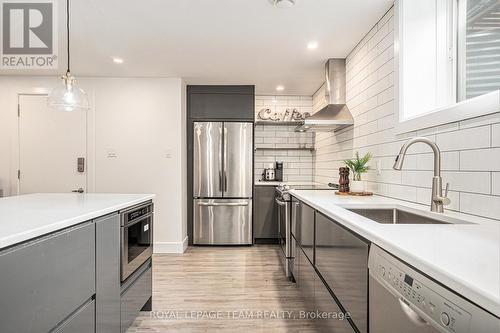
{"x": 267, "y": 114}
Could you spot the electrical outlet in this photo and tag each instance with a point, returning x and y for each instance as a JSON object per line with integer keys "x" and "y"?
{"x": 379, "y": 167}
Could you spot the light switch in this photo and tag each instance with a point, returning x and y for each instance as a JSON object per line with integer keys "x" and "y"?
{"x": 379, "y": 167}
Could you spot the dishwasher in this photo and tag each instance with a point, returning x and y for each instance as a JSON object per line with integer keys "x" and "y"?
{"x": 402, "y": 299}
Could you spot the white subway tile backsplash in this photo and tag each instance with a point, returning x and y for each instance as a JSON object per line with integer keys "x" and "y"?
{"x": 476, "y": 182}
{"x": 482, "y": 205}
{"x": 481, "y": 159}
{"x": 495, "y": 135}
{"x": 495, "y": 183}
{"x": 470, "y": 138}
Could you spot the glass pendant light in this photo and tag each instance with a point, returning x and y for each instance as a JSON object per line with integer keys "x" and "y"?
{"x": 68, "y": 97}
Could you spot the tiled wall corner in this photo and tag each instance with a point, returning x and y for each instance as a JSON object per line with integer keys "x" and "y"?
{"x": 297, "y": 164}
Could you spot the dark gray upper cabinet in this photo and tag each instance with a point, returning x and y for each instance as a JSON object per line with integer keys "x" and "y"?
{"x": 303, "y": 227}
{"x": 221, "y": 103}
{"x": 265, "y": 224}
{"x": 341, "y": 257}
{"x": 44, "y": 281}
{"x": 108, "y": 274}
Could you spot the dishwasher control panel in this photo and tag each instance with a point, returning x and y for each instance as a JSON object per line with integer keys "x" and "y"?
{"x": 417, "y": 294}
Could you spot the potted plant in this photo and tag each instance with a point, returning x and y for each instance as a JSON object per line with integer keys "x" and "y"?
{"x": 358, "y": 166}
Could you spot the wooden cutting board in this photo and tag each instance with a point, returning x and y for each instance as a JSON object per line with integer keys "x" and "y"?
{"x": 358, "y": 194}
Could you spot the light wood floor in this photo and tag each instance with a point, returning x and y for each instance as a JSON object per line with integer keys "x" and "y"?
{"x": 221, "y": 279}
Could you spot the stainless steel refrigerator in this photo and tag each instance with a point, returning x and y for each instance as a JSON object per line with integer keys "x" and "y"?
{"x": 222, "y": 183}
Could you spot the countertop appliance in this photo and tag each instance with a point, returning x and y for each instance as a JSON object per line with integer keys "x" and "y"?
{"x": 269, "y": 174}
{"x": 283, "y": 201}
{"x": 278, "y": 172}
{"x": 136, "y": 238}
{"x": 222, "y": 183}
{"x": 402, "y": 299}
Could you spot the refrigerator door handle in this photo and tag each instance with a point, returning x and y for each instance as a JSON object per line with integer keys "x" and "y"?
{"x": 220, "y": 181}
{"x": 225, "y": 156}
{"x": 223, "y": 203}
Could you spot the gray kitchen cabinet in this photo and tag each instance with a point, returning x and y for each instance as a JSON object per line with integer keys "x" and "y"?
{"x": 47, "y": 279}
{"x": 335, "y": 320}
{"x": 303, "y": 227}
{"x": 136, "y": 293}
{"x": 108, "y": 273}
{"x": 83, "y": 321}
{"x": 265, "y": 224}
{"x": 305, "y": 283}
{"x": 316, "y": 298}
{"x": 221, "y": 102}
{"x": 341, "y": 257}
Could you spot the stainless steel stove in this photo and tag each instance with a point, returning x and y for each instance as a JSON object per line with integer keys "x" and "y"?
{"x": 283, "y": 200}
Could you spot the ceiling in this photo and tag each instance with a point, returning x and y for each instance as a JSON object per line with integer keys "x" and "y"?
{"x": 214, "y": 41}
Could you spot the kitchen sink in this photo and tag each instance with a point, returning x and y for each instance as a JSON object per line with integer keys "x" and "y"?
{"x": 398, "y": 216}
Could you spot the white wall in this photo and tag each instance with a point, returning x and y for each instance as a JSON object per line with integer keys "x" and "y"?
{"x": 143, "y": 122}
{"x": 470, "y": 149}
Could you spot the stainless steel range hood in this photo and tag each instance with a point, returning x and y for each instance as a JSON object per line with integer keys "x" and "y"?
{"x": 335, "y": 115}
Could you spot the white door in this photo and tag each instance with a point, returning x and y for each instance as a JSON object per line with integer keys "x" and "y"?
{"x": 50, "y": 145}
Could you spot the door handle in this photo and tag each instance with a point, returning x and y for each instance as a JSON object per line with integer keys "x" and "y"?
{"x": 223, "y": 204}
{"x": 80, "y": 190}
{"x": 411, "y": 314}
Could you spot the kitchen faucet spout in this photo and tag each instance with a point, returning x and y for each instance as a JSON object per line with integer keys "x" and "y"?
{"x": 437, "y": 198}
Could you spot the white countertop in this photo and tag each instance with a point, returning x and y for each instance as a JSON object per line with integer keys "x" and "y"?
{"x": 28, "y": 216}
{"x": 464, "y": 257}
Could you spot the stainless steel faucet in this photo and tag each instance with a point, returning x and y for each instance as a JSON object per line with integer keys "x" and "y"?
{"x": 437, "y": 198}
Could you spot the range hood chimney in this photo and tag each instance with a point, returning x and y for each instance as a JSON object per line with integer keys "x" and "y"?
{"x": 335, "y": 115}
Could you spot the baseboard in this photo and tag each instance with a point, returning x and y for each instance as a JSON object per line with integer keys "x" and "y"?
{"x": 170, "y": 247}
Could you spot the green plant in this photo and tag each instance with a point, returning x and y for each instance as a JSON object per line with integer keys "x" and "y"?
{"x": 358, "y": 165}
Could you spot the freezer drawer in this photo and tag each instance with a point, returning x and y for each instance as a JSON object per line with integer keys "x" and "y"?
{"x": 222, "y": 221}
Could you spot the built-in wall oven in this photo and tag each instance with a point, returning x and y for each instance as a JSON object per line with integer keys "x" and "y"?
{"x": 136, "y": 237}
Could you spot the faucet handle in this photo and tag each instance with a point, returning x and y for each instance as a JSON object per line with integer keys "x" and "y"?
{"x": 445, "y": 200}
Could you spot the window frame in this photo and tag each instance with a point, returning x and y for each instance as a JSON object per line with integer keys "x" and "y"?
{"x": 459, "y": 110}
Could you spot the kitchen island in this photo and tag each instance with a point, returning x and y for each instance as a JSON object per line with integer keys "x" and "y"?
{"x": 60, "y": 256}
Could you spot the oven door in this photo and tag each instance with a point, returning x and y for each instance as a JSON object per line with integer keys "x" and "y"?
{"x": 137, "y": 244}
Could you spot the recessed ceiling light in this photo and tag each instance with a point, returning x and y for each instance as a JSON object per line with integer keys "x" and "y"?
{"x": 283, "y": 3}
{"x": 118, "y": 60}
{"x": 280, "y": 88}
{"x": 312, "y": 45}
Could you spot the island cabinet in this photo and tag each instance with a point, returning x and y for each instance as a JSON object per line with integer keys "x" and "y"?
{"x": 49, "y": 283}
{"x": 108, "y": 274}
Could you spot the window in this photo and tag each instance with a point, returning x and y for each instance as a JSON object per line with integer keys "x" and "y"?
{"x": 448, "y": 60}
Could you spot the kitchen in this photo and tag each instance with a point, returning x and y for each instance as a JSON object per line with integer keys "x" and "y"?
{"x": 336, "y": 172}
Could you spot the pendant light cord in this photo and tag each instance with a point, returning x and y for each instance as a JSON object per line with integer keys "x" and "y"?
{"x": 67, "y": 32}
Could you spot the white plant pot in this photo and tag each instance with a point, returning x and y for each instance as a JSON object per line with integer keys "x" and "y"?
{"x": 357, "y": 186}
